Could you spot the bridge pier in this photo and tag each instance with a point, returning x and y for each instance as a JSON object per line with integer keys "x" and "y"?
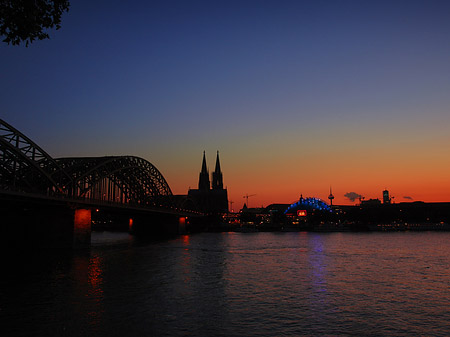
{"x": 82, "y": 228}
{"x": 182, "y": 225}
{"x": 138, "y": 222}
{"x": 158, "y": 224}
{"x": 34, "y": 223}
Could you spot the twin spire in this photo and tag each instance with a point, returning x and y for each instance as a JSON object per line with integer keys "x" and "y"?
{"x": 217, "y": 178}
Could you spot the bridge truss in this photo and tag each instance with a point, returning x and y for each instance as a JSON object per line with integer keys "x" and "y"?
{"x": 120, "y": 179}
{"x": 26, "y": 168}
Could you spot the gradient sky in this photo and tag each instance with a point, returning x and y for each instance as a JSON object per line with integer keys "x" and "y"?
{"x": 296, "y": 95}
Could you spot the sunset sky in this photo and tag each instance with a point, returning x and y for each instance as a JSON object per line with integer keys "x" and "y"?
{"x": 296, "y": 95}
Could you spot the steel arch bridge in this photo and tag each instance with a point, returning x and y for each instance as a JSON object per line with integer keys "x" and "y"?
{"x": 120, "y": 179}
{"x": 26, "y": 168}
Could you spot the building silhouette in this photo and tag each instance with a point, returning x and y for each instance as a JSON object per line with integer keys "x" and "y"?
{"x": 203, "y": 180}
{"x": 386, "y": 198}
{"x": 210, "y": 197}
{"x": 217, "y": 178}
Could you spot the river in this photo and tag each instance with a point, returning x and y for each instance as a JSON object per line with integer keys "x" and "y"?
{"x": 233, "y": 284}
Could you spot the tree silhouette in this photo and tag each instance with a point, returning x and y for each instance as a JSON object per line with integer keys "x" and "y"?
{"x": 27, "y": 20}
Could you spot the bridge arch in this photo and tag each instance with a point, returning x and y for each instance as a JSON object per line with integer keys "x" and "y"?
{"x": 123, "y": 179}
{"x": 25, "y": 167}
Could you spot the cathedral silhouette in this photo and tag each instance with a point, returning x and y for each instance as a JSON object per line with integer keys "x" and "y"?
{"x": 210, "y": 197}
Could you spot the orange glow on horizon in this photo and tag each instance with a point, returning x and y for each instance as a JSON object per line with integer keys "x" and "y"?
{"x": 364, "y": 159}
{"x": 288, "y": 188}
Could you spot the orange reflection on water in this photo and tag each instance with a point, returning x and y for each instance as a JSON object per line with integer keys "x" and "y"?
{"x": 88, "y": 291}
{"x": 95, "y": 274}
{"x": 186, "y": 263}
{"x": 95, "y": 292}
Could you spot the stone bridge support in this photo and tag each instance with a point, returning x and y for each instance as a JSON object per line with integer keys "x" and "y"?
{"x": 27, "y": 223}
{"x": 82, "y": 228}
{"x": 156, "y": 224}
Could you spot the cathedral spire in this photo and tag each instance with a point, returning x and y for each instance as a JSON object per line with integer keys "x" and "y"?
{"x": 217, "y": 179}
{"x": 217, "y": 164}
{"x": 204, "y": 168}
{"x": 203, "y": 181}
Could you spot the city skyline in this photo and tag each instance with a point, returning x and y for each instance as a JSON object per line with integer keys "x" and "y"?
{"x": 296, "y": 96}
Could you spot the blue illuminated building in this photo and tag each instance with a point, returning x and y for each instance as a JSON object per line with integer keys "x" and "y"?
{"x": 308, "y": 205}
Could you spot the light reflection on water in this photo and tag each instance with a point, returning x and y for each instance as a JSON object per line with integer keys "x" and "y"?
{"x": 235, "y": 284}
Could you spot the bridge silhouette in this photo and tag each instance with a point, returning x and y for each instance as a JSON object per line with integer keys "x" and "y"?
{"x": 130, "y": 183}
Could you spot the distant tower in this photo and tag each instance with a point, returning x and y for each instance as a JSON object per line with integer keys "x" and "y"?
{"x": 331, "y": 197}
{"x": 203, "y": 181}
{"x": 386, "y": 198}
{"x": 206, "y": 199}
{"x": 217, "y": 179}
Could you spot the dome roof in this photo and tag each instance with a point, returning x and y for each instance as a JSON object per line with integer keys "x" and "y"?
{"x": 308, "y": 204}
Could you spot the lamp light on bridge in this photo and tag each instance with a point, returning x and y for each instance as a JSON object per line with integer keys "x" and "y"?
{"x": 130, "y": 224}
{"x": 182, "y": 224}
{"x": 82, "y": 227}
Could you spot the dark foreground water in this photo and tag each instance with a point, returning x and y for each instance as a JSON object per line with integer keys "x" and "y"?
{"x": 234, "y": 284}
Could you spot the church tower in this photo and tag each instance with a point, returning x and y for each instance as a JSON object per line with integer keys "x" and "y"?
{"x": 203, "y": 181}
{"x": 217, "y": 179}
{"x": 206, "y": 199}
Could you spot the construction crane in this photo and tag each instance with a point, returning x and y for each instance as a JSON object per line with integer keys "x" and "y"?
{"x": 248, "y": 196}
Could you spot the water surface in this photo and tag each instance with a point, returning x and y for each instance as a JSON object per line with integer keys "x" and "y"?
{"x": 234, "y": 284}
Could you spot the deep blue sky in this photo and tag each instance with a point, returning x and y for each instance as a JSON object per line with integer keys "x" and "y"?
{"x": 276, "y": 86}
